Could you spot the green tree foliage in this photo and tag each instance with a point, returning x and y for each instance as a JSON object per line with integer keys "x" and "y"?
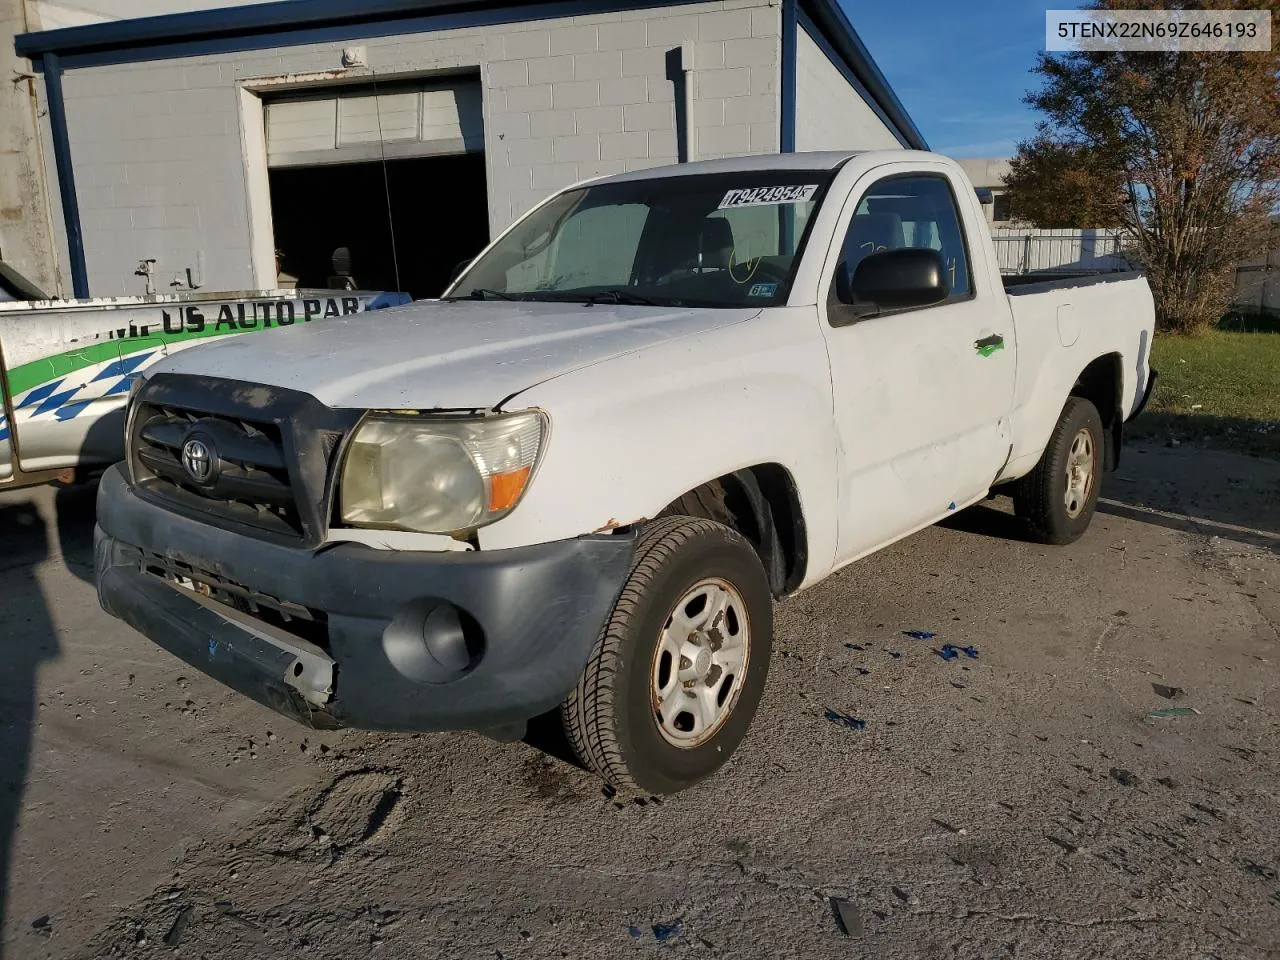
{"x": 1179, "y": 150}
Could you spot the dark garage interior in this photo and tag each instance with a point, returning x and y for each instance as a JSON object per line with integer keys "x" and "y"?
{"x": 423, "y": 215}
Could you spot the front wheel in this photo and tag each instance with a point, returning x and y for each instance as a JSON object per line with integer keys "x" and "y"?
{"x": 1057, "y": 499}
{"x": 678, "y": 670}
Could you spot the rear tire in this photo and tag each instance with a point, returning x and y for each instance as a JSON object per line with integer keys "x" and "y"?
{"x": 645, "y": 716}
{"x": 1057, "y": 499}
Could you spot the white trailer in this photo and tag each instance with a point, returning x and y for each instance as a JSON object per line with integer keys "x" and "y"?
{"x": 66, "y": 365}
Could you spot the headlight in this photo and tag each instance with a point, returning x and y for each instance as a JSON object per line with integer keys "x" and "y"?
{"x": 438, "y": 475}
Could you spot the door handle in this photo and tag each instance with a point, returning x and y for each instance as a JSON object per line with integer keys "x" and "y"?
{"x": 989, "y": 345}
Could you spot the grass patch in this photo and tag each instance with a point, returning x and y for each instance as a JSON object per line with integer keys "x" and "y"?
{"x": 1225, "y": 374}
{"x": 1222, "y": 388}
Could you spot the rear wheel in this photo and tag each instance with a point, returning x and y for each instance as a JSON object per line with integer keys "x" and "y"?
{"x": 678, "y": 670}
{"x": 1058, "y": 498}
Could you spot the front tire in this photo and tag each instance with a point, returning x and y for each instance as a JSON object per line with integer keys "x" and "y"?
{"x": 1058, "y": 498}
{"x": 677, "y": 673}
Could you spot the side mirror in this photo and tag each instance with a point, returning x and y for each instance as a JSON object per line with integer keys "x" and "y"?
{"x": 894, "y": 280}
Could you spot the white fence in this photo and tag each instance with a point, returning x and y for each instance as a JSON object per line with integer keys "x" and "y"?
{"x": 1058, "y": 251}
{"x": 1023, "y": 250}
{"x": 1258, "y": 281}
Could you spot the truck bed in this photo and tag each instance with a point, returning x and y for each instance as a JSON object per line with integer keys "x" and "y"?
{"x": 1024, "y": 283}
{"x": 1064, "y": 325}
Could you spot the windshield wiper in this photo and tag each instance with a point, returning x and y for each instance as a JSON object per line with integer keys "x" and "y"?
{"x": 620, "y": 296}
{"x": 479, "y": 293}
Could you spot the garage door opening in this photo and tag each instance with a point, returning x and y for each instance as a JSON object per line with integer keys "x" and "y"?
{"x": 435, "y": 208}
{"x": 395, "y": 176}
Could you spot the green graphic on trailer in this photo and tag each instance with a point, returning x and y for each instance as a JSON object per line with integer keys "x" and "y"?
{"x": 179, "y": 326}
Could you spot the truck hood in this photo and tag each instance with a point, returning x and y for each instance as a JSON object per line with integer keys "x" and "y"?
{"x": 438, "y": 355}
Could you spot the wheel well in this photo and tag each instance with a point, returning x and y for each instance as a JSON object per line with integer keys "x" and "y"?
{"x": 763, "y": 504}
{"x": 1101, "y": 383}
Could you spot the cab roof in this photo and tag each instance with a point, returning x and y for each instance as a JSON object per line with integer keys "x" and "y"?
{"x": 822, "y": 160}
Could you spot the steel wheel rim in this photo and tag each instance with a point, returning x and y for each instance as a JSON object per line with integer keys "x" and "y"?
{"x": 1080, "y": 469}
{"x": 700, "y": 664}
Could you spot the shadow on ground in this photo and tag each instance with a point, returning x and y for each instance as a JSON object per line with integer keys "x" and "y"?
{"x": 75, "y": 508}
{"x": 28, "y": 634}
{"x": 27, "y": 639}
{"x": 1257, "y": 437}
{"x": 1235, "y": 497}
{"x": 988, "y": 520}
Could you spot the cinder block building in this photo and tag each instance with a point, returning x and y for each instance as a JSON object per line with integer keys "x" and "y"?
{"x": 239, "y": 145}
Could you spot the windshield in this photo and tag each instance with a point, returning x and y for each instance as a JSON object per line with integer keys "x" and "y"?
{"x": 708, "y": 240}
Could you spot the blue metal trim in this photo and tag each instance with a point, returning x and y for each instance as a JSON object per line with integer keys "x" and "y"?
{"x": 333, "y": 34}
{"x": 288, "y": 23}
{"x": 228, "y": 21}
{"x": 787, "y": 134}
{"x": 294, "y": 22}
{"x": 291, "y": 22}
{"x": 66, "y": 175}
{"x": 834, "y": 34}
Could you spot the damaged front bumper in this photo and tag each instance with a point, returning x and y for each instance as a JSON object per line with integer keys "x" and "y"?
{"x": 289, "y": 675}
{"x": 480, "y": 640}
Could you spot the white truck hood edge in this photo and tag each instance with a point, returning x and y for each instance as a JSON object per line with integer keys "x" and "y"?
{"x": 439, "y": 355}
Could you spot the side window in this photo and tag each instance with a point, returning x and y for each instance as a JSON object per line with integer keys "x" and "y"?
{"x": 910, "y": 212}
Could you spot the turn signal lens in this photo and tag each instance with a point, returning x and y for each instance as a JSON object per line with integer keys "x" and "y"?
{"x": 505, "y": 489}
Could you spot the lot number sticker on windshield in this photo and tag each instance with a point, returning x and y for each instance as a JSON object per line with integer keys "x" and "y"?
{"x": 759, "y": 196}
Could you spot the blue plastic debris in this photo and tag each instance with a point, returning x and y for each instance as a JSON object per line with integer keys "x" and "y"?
{"x": 384, "y": 301}
{"x": 635, "y": 932}
{"x": 662, "y": 932}
{"x": 951, "y": 505}
{"x": 845, "y": 719}
{"x": 948, "y": 652}
{"x": 895, "y": 654}
{"x": 862, "y": 670}
{"x": 970, "y": 652}
{"x": 854, "y": 646}
{"x": 919, "y": 634}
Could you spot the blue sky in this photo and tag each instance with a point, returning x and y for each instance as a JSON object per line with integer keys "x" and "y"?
{"x": 960, "y": 70}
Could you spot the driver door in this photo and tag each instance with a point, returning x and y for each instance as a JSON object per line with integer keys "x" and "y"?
{"x": 921, "y": 409}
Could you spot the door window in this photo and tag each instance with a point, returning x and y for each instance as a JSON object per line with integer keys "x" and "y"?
{"x": 911, "y": 212}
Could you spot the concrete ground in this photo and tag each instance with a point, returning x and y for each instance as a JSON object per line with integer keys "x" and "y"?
{"x": 1025, "y": 803}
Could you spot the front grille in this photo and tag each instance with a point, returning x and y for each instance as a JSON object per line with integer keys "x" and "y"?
{"x": 260, "y": 458}
{"x": 250, "y": 478}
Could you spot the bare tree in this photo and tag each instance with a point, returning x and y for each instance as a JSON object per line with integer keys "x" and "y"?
{"x": 1180, "y": 150}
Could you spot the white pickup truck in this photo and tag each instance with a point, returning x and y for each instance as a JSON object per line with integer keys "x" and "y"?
{"x": 656, "y": 403}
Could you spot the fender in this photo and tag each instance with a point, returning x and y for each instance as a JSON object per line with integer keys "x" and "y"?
{"x": 632, "y": 434}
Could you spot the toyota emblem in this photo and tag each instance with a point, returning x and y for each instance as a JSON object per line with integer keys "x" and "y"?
{"x": 197, "y": 458}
